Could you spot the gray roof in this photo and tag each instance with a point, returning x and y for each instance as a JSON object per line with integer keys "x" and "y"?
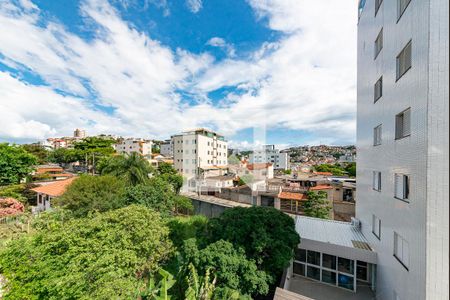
{"x": 334, "y": 237}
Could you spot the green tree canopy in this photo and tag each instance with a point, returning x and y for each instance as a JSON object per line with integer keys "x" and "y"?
{"x": 37, "y": 150}
{"x": 229, "y": 264}
{"x": 133, "y": 168}
{"x": 111, "y": 255}
{"x": 95, "y": 143}
{"x": 350, "y": 168}
{"x": 335, "y": 169}
{"x": 93, "y": 193}
{"x": 158, "y": 194}
{"x": 266, "y": 234}
{"x": 66, "y": 156}
{"x": 15, "y": 163}
{"x": 317, "y": 205}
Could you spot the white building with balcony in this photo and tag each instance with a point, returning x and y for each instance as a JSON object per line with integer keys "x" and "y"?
{"x": 132, "y": 145}
{"x": 268, "y": 154}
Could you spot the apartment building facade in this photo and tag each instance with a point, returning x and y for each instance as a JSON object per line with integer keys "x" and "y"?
{"x": 402, "y": 141}
{"x": 132, "y": 145}
{"x": 199, "y": 150}
{"x": 166, "y": 148}
{"x": 268, "y": 154}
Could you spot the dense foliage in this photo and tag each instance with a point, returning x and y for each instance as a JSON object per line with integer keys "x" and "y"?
{"x": 266, "y": 234}
{"x": 37, "y": 150}
{"x": 15, "y": 163}
{"x": 133, "y": 168}
{"x": 317, "y": 205}
{"x": 93, "y": 193}
{"x": 88, "y": 258}
{"x": 337, "y": 169}
{"x": 230, "y": 266}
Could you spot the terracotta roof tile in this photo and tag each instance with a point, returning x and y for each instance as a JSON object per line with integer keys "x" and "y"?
{"x": 321, "y": 187}
{"x": 54, "y": 189}
{"x": 292, "y": 196}
{"x": 258, "y": 166}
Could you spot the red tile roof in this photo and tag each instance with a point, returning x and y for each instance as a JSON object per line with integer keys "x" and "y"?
{"x": 54, "y": 189}
{"x": 292, "y": 196}
{"x": 321, "y": 187}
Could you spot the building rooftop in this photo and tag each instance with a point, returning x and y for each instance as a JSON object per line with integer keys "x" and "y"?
{"x": 258, "y": 166}
{"x": 343, "y": 238}
{"x": 292, "y": 196}
{"x": 54, "y": 189}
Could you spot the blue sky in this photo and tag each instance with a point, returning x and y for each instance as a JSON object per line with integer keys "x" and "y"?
{"x": 258, "y": 71}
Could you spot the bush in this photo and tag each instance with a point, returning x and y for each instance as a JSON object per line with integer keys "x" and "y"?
{"x": 111, "y": 255}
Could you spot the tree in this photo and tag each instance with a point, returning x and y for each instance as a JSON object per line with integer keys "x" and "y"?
{"x": 233, "y": 160}
{"x": 66, "y": 156}
{"x": 133, "y": 168}
{"x": 37, "y": 150}
{"x": 98, "y": 144}
{"x": 169, "y": 174}
{"x": 245, "y": 179}
{"x": 15, "y": 163}
{"x": 199, "y": 288}
{"x": 93, "y": 193}
{"x": 229, "y": 265}
{"x": 317, "y": 205}
{"x": 336, "y": 170}
{"x": 350, "y": 168}
{"x": 159, "y": 195}
{"x": 267, "y": 235}
{"x": 111, "y": 255}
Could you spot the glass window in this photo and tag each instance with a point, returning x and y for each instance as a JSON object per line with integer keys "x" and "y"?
{"x": 314, "y": 258}
{"x": 300, "y": 254}
{"x": 402, "y": 186}
{"x": 404, "y": 60}
{"x": 403, "y": 124}
{"x": 378, "y": 89}
{"x": 377, "y": 135}
{"x": 401, "y": 250}
{"x": 379, "y": 43}
{"x": 345, "y": 281}
{"x": 401, "y": 7}
{"x": 376, "y": 181}
{"x": 377, "y": 5}
{"x": 299, "y": 269}
{"x": 361, "y": 270}
{"x": 329, "y": 261}
{"x": 345, "y": 265}
{"x": 313, "y": 273}
{"x": 329, "y": 277}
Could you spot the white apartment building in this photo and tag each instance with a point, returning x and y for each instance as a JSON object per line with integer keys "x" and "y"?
{"x": 198, "y": 150}
{"x": 166, "y": 148}
{"x": 79, "y": 133}
{"x": 132, "y": 145}
{"x": 268, "y": 154}
{"x": 403, "y": 145}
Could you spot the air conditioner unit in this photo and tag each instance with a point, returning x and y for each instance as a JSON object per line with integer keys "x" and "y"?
{"x": 356, "y": 222}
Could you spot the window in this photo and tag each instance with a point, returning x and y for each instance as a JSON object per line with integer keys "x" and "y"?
{"x": 377, "y": 5}
{"x": 401, "y": 7}
{"x": 401, "y": 250}
{"x": 300, "y": 255}
{"x": 377, "y": 135}
{"x": 376, "y": 181}
{"x": 329, "y": 277}
{"x": 404, "y": 60}
{"x": 299, "y": 269}
{"x": 376, "y": 226}
{"x": 345, "y": 281}
{"x": 378, "y": 89}
{"x": 401, "y": 186}
{"x": 314, "y": 258}
{"x": 378, "y": 43}
{"x": 313, "y": 273}
{"x": 345, "y": 265}
{"x": 329, "y": 261}
{"x": 403, "y": 124}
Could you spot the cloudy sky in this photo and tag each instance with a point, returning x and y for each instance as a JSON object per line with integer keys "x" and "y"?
{"x": 283, "y": 69}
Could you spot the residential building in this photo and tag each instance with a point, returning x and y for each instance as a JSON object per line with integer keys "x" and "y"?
{"x": 47, "y": 191}
{"x": 166, "y": 148}
{"x": 50, "y": 172}
{"x": 79, "y": 133}
{"x": 198, "y": 152}
{"x": 268, "y": 154}
{"x": 403, "y": 145}
{"x": 258, "y": 172}
{"x": 132, "y": 145}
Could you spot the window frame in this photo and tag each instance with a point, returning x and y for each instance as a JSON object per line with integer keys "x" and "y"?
{"x": 374, "y": 221}
{"x": 397, "y": 61}
{"x": 406, "y": 184}
{"x": 401, "y": 260}
{"x": 378, "y": 176}
{"x": 377, "y": 6}
{"x": 400, "y": 13}
{"x": 377, "y": 132}
{"x": 402, "y": 114}
{"x": 380, "y": 82}
{"x": 379, "y": 36}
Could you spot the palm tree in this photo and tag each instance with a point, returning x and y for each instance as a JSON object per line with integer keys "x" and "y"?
{"x": 133, "y": 168}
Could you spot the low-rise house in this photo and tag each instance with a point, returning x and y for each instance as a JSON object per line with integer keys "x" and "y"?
{"x": 46, "y": 192}
{"x": 50, "y": 173}
{"x": 258, "y": 171}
